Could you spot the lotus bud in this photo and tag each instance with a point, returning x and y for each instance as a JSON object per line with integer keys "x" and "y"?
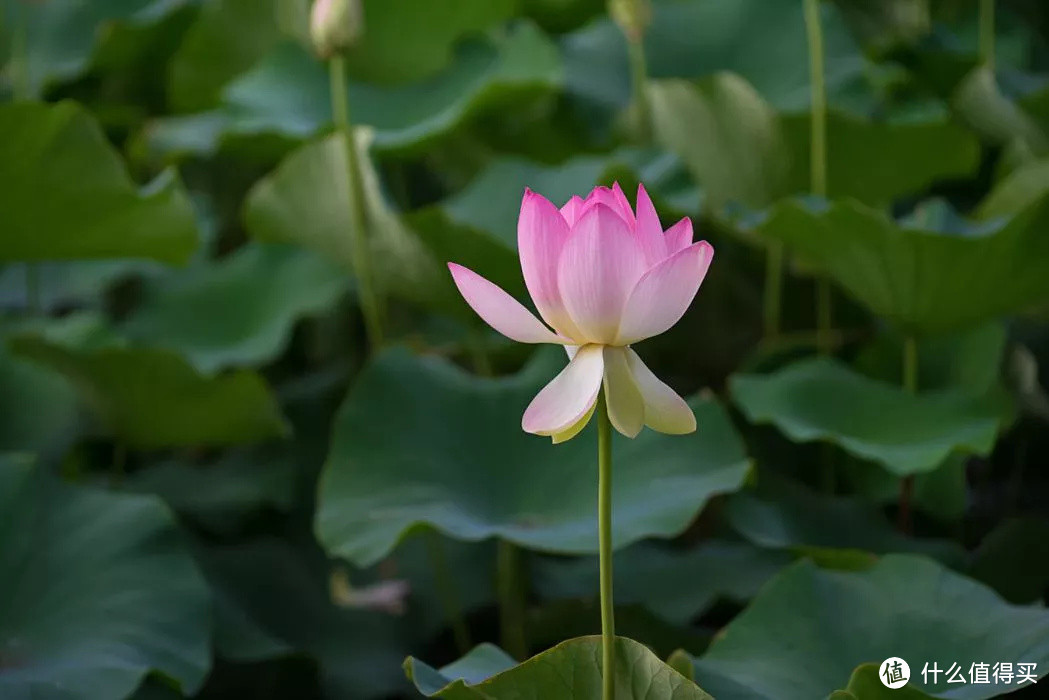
{"x": 335, "y": 26}
{"x": 632, "y": 16}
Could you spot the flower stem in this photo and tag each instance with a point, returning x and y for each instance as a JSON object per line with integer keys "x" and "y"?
{"x": 340, "y": 105}
{"x": 910, "y": 384}
{"x": 604, "y": 529}
{"x": 987, "y": 33}
{"x": 773, "y": 289}
{"x": 511, "y": 601}
{"x": 33, "y": 302}
{"x": 638, "y": 81}
{"x": 446, "y": 592}
{"x": 818, "y": 159}
{"x": 21, "y": 91}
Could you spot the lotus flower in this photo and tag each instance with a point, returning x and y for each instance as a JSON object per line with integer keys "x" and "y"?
{"x": 602, "y": 279}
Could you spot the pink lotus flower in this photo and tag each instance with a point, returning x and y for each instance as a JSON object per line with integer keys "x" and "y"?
{"x": 602, "y": 279}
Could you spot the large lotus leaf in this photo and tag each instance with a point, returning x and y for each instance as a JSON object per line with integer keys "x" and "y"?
{"x": 430, "y": 29}
{"x": 220, "y": 496}
{"x": 61, "y": 285}
{"x": 279, "y": 592}
{"x": 469, "y": 470}
{"x": 153, "y": 399}
{"x": 60, "y": 37}
{"x": 922, "y": 280}
{"x": 227, "y": 38}
{"x": 65, "y": 193}
{"x": 882, "y": 422}
{"x": 675, "y": 584}
{"x": 287, "y": 94}
{"x": 569, "y": 671}
{"x": 761, "y": 40}
{"x": 239, "y": 311}
{"x": 877, "y": 162}
{"x": 792, "y": 518}
{"x": 726, "y": 134}
{"x": 305, "y": 202}
{"x": 826, "y": 623}
{"x": 97, "y": 590}
{"x": 1014, "y": 559}
{"x": 969, "y": 360}
{"x": 38, "y": 406}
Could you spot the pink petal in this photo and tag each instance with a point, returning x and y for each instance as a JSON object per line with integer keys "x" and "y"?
{"x": 500, "y": 310}
{"x": 626, "y": 408}
{"x": 622, "y": 202}
{"x": 569, "y": 396}
{"x": 649, "y": 231}
{"x": 571, "y": 210}
{"x": 663, "y": 294}
{"x": 665, "y": 411}
{"x": 599, "y": 265}
{"x": 679, "y": 236}
{"x": 541, "y": 234}
{"x": 613, "y": 198}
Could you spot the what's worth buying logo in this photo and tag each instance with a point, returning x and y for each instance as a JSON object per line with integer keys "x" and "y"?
{"x": 894, "y": 673}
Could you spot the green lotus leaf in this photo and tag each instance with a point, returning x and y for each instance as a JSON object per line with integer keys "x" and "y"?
{"x": 97, "y": 590}
{"x": 469, "y": 470}
{"x": 66, "y": 195}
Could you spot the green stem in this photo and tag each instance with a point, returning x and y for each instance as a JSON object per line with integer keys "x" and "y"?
{"x": 340, "y": 105}
{"x": 773, "y": 289}
{"x": 118, "y": 468}
{"x": 824, "y": 316}
{"x": 22, "y": 92}
{"x": 511, "y": 601}
{"x": 604, "y": 529}
{"x": 818, "y": 142}
{"x": 910, "y": 384}
{"x": 447, "y": 593}
{"x": 32, "y": 288}
{"x": 482, "y": 364}
{"x": 639, "y": 81}
{"x": 818, "y": 158}
{"x": 987, "y": 33}
{"x": 20, "y": 84}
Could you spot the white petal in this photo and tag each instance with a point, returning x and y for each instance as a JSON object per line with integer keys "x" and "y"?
{"x": 500, "y": 310}
{"x": 568, "y": 396}
{"x": 575, "y": 429}
{"x": 665, "y": 411}
{"x": 626, "y": 408}
{"x": 663, "y": 294}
